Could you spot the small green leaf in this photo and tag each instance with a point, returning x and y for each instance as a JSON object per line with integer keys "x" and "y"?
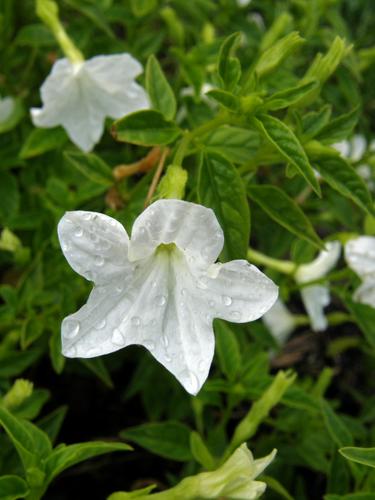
{"x": 200, "y": 451}
{"x": 229, "y": 67}
{"x": 273, "y": 56}
{"x": 64, "y": 456}
{"x": 284, "y": 140}
{"x": 335, "y": 425}
{"x": 167, "y": 439}
{"x": 364, "y": 316}
{"x": 145, "y": 128}
{"x": 9, "y": 196}
{"x": 365, "y": 456}
{"x": 51, "y": 423}
{"x": 13, "y": 488}
{"x": 98, "y": 367}
{"x": 159, "y": 90}
{"x": 284, "y": 211}
{"x": 14, "y": 117}
{"x": 13, "y": 363}
{"x": 42, "y": 140}
{"x": 91, "y": 166}
{"x": 226, "y": 99}
{"x": 228, "y": 350}
{"x": 236, "y": 144}
{"x": 288, "y": 97}
{"x": 221, "y": 188}
{"x": 315, "y": 121}
{"x": 141, "y": 8}
{"x": 31, "y": 443}
{"x": 339, "y": 128}
{"x": 343, "y": 178}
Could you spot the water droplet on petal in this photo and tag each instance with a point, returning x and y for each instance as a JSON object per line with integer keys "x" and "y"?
{"x": 189, "y": 380}
{"x": 117, "y": 337}
{"x": 99, "y": 260}
{"x": 154, "y": 284}
{"x": 113, "y": 222}
{"x": 78, "y": 232}
{"x": 227, "y": 301}
{"x": 101, "y": 324}
{"x": 72, "y": 330}
{"x": 142, "y": 231}
{"x": 236, "y": 315}
{"x": 205, "y": 252}
{"x": 165, "y": 341}
{"x": 87, "y": 216}
{"x": 119, "y": 288}
{"x": 149, "y": 344}
{"x": 161, "y": 300}
{"x": 202, "y": 283}
{"x": 202, "y": 366}
{"x": 135, "y": 321}
{"x": 94, "y": 237}
{"x": 183, "y": 291}
{"x": 65, "y": 247}
{"x": 167, "y": 358}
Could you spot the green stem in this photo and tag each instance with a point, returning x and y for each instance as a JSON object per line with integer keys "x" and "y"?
{"x": 283, "y": 266}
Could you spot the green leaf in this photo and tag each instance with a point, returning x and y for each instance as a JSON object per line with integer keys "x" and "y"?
{"x": 145, "y": 128}
{"x": 141, "y": 8}
{"x": 335, "y": 426}
{"x": 339, "y": 128}
{"x": 284, "y": 140}
{"x": 343, "y": 178}
{"x": 229, "y": 68}
{"x": 238, "y": 145}
{"x": 42, "y": 140}
{"x": 284, "y": 211}
{"x": 159, "y": 90}
{"x": 200, "y": 451}
{"x": 51, "y": 423}
{"x": 91, "y": 166}
{"x": 221, "y": 188}
{"x": 365, "y": 456}
{"x": 364, "y": 316}
{"x": 315, "y": 121}
{"x": 31, "y": 443}
{"x": 13, "y": 488}
{"x": 64, "y": 456}
{"x": 273, "y": 56}
{"x": 228, "y": 350}
{"x": 13, "y": 363}
{"x": 9, "y": 196}
{"x": 128, "y": 495}
{"x": 226, "y": 99}
{"x": 167, "y": 439}
{"x": 288, "y": 97}
{"x": 35, "y": 35}
{"x": 98, "y": 367}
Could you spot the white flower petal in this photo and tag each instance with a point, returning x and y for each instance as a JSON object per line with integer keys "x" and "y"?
{"x": 95, "y": 246}
{"x": 315, "y": 298}
{"x": 6, "y": 108}
{"x": 237, "y": 291}
{"x": 360, "y": 255}
{"x": 279, "y": 321}
{"x": 358, "y": 147}
{"x": 343, "y": 147}
{"x": 365, "y": 293}
{"x": 261, "y": 463}
{"x": 193, "y": 228}
{"x": 319, "y": 267}
{"x": 80, "y": 96}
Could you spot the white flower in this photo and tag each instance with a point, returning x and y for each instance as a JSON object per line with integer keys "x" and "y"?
{"x": 161, "y": 289}
{"x": 317, "y": 297}
{"x": 360, "y": 256}
{"x": 79, "y": 96}
{"x": 7, "y": 105}
{"x": 279, "y": 321}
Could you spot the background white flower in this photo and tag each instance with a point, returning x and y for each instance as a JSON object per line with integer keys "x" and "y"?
{"x": 79, "y": 96}
{"x": 360, "y": 256}
{"x": 161, "y": 290}
{"x": 279, "y": 321}
{"x": 317, "y": 297}
{"x": 6, "y": 108}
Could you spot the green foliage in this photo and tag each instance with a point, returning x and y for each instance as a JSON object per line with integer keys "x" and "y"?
{"x": 247, "y": 104}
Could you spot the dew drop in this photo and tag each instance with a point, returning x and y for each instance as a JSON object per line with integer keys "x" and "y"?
{"x": 117, "y": 337}
{"x": 154, "y": 284}
{"x": 119, "y": 288}
{"x": 94, "y": 237}
{"x": 205, "y": 252}
{"x": 149, "y": 344}
{"x": 101, "y": 324}
{"x": 65, "y": 247}
{"x": 227, "y": 301}
{"x": 72, "y": 330}
{"x": 202, "y": 366}
{"x": 183, "y": 292}
{"x": 135, "y": 321}
{"x": 78, "y": 232}
{"x": 99, "y": 260}
{"x": 165, "y": 341}
{"x": 161, "y": 300}
{"x": 142, "y": 231}
{"x": 236, "y": 315}
{"x": 167, "y": 358}
{"x": 92, "y": 351}
{"x": 189, "y": 380}
{"x": 113, "y": 222}
{"x": 202, "y": 283}
{"x": 87, "y": 216}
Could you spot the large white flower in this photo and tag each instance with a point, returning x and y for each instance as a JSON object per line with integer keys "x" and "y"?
{"x": 79, "y": 96}
{"x": 161, "y": 289}
{"x": 317, "y": 297}
{"x": 360, "y": 256}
